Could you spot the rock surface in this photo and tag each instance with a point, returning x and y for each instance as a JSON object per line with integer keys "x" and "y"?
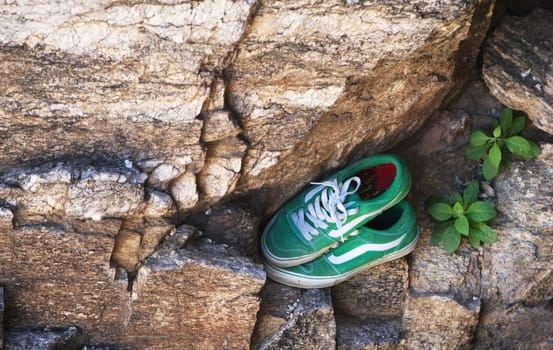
{"x": 292, "y": 318}
{"x": 367, "y": 334}
{"x": 359, "y": 84}
{"x": 198, "y": 299}
{"x": 376, "y": 293}
{"x": 517, "y": 275}
{"x": 70, "y": 265}
{"x": 213, "y": 113}
{"x": 66, "y": 338}
{"x": 518, "y": 65}
{"x": 73, "y": 191}
{"x": 110, "y": 79}
{"x": 2, "y": 307}
{"x": 445, "y": 324}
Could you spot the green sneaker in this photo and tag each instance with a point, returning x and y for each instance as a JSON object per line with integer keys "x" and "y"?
{"x": 329, "y": 211}
{"x": 389, "y": 236}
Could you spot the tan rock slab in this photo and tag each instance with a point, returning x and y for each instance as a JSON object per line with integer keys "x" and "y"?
{"x": 518, "y": 65}
{"x": 199, "y": 300}
{"x": 438, "y": 322}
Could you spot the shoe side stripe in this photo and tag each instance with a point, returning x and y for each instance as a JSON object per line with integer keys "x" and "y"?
{"x": 362, "y": 249}
{"x": 349, "y": 226}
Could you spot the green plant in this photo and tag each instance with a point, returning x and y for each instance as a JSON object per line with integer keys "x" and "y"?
{"x": 492, "y": 148}
{"x": 462, "y": 216}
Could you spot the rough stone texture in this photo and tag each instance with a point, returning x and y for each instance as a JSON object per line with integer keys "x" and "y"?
{"x": 219, "y": 125}
{"x": 222, "y": 168}
{"x": 368, "y": 334}
{"x": 524, "y": 194}
{"x": 48, "y": 338}
{"x": 198, "y": 299}
{"x": 60, "y": 274}
{"x": 233, "y": 224}
{"x": 518, "y": 65}
{"x": 438, "y": 322}
{"x": 449, "y": 284}
{"x": 376, "y": 293}
{"x": 184, "y": 191}
{"x": 368, "y": 75}
{"x": 111, "y": 79}
{"x": 73, "y": 191}
{"x": 516, "y": 327}
{"x": 158, "y": 204}
{"x": 2, "y": 307}
{"x": 517, "y": 275}
{"x": 292, "y": 318}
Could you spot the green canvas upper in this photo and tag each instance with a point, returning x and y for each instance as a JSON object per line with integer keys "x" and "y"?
{"x": 327, "y": 212}
{"x": 368, "y": 246}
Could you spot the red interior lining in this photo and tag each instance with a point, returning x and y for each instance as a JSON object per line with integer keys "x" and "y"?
{"x": 376, "y": 180}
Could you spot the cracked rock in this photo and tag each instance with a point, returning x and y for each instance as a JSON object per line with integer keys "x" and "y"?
{"x": 518, "y": 65}
{"x": 359, "y": 84}
{"x": 60, "y": 274}
{"x": 79, "y": 192}
{"x": 235, "y": 225}
{"x": 110, "y": 79}
{"x": 518, "y": 267}
{"x": 158, "y": 204}
{"x": 375, "y": 293}
{"x": 524, "y": 193}
{"x": 438, "y": 322}
{"x": 184, "y": 191}
{"x": 218, "y": 125}
{"x": 198, "y": 299}
{"x": 66, "y": 338}
{"x": 516, "y": 327}
{"x": 367, "y": 334}
{"x": 222, "y": 168}
{"x": 517, "y": 276}
{"x": 292, "y": 318}
{"x": 2, "y": 307}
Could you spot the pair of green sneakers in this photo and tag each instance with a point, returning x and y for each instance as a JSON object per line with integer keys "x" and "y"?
{"x": 336, "y": 228}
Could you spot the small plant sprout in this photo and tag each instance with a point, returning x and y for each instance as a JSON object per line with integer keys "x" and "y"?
{"x": 465, "y": 216}
{"x": 492, "y": 149}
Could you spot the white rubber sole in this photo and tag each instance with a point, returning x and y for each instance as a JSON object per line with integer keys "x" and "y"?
{"x": 302, "y": 281}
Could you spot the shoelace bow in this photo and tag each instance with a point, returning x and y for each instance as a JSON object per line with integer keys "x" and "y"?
{"x": 327, "y": 207}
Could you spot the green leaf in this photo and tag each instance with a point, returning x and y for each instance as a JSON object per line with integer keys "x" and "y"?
{"x": 484, "y": 233}
{"x": 495, "y": 155}
{"x": 497, "y": 131}
{"x": 536, "y": 150}
{"x": 506, "y": 161}
{"x": 473, "y": 240}
{"x": 520, "y": 146}
{"x": 475, "y": 152}
{"x": 506, "y": 119}
{"x": 458, "y": 209}
{"x": 451, "y": 239}
{"x": 478, "y": 138}
{"x": 457, "y": 198}
{"x": 489, "y": 170}
{"x": 481, "y": 211}
{"x": 440, "y": 211}
{"x": 518, "y": 125}
{"x": 438, "y": 233}
{"x": 462, "y": 225}
{"x": 470, "y": 194}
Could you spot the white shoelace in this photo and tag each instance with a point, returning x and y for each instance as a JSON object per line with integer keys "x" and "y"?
{"x": 327, "y": 207}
